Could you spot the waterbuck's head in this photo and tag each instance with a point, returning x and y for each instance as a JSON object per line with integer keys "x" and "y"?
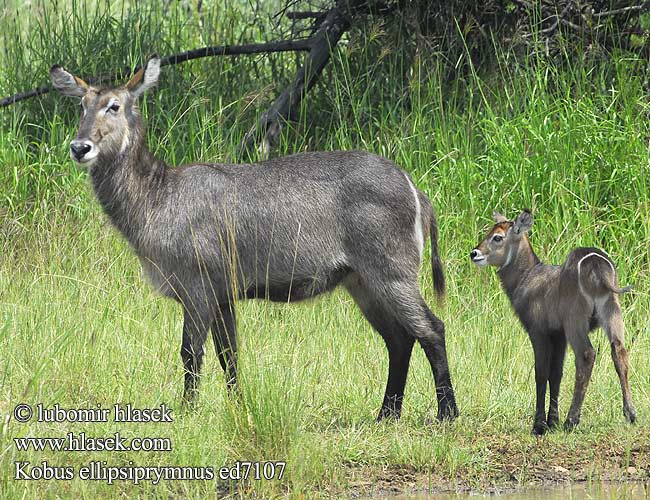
{"x": 502, "y": 241}
{"x": 110, "y": 116}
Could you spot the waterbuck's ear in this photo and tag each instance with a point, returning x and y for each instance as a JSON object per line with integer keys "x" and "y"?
{"x": 523, "y": 222}
{"x": 145, "y": 78}
{"x": 67, "y": 83}
{"x": 498, "y": 218}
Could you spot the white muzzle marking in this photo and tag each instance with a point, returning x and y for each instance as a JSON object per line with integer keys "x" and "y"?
{"x": 479, "y": 259}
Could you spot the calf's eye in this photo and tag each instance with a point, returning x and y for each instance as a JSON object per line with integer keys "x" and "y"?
{"x": 497, "y": 238}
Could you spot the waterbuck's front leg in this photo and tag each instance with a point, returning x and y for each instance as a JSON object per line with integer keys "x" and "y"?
{"x": 195, "y": 332}
{"x": 542, "y": 348}
{"x": 554, "y": 379}
{"x": 225, "y": 343}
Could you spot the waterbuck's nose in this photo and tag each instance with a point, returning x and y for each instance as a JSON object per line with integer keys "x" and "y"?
{"x": 473, "y": 254}
{"x": 78, "y": 149}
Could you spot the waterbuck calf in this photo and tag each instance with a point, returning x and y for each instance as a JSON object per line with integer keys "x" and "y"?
{"x": 285, "y": 230}
{"x": 556, "y": 304}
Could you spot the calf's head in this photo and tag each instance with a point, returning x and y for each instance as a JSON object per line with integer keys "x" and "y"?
{"x": 109, "y": 117}
{"x": 500, "y": 244}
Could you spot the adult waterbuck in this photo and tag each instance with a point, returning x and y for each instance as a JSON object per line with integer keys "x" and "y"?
{"x": 556, "y": 304}
{"x": 285, "y": 230}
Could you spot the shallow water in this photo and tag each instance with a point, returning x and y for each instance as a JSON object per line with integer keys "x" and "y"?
{"x": 580, "y": 491}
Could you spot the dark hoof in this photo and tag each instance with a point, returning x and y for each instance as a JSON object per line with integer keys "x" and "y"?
{"x": 570, "y": 424}
{"x": 540, "y": 428}
{"x": 448, "y": 412}
{"x": 553, "y": 422}
{"x": 189, "y": 399}
{"x": 630, "y": 415}
{"x": 388, "y": 414}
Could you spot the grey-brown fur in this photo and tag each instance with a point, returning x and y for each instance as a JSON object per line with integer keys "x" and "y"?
{"x": 285, "y": 230}
{"x": 556, "y": 304}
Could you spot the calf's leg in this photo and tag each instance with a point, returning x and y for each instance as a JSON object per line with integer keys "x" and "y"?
{"x": 542, "y": 348}
{"x": 555, "y": 377}
{"x": 612, "y": 320}
{"x": 577, "y": 331}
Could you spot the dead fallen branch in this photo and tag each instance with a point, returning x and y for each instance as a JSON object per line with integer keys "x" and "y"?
{"x": 331, "y": 25}
{"x": 266, "y": 132}
{"x": 306, "y": 15}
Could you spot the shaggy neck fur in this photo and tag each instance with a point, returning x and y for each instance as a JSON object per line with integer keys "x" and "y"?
{"x": 129, "y": 184}
{"x": 522, "y": 260}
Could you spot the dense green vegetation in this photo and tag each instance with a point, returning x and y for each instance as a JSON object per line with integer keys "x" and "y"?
{"x": 78, "y": 326}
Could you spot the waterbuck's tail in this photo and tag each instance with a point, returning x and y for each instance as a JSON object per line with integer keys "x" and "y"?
{"x": 615, "y": 289}
{"x": 436, "y": 263}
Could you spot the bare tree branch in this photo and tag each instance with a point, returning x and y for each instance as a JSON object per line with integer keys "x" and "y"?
{"x": 624, "y": 10}
{"x": 21, "y": 96}
{"x": 218, "y": 50}
{"x": 305, "y": 14}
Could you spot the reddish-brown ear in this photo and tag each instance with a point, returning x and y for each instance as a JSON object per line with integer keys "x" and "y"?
{"x": 67, "y": 83}
{"x": 135, "y": 80}
{"x": 523, "y": 222}
{"x": 498, "y": 218}
{"x": 145, "y": 78}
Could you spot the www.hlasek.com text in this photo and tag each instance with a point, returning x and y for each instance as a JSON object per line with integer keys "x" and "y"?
{"x": 102, "y": 471}
{"x": 82, "y": 442}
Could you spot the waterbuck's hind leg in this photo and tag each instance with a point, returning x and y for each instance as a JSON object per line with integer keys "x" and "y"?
{"x": 195, "y": 332}
{"x": 398, "y": 342}
{"x": 611, "y": 320}
{"x": 403, "y": 298}
{"x": 577, "y": 331}
{"x": 434, "y": 347}
{"x": 555, "y": 378}
{"x": 400, "y": 347}
{"x": 223, "y": 330}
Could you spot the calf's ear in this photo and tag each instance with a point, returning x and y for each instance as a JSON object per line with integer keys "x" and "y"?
{"x": 523, "y": 222}
{"x": 498, "y": 218}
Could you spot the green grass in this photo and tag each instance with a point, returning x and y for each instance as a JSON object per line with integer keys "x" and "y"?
{"x": 79, "y": 327}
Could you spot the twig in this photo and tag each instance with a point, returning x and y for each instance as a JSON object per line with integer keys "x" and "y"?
{"x": 623, "y": 10}
{"x": 551, "y": 29}
{"x": 571, "y": 25}
{"x": 522, "y": 4}
{"x": 306, "y": 14}
{"x": 218, "y": 50}
{"x": 235, "y": 50}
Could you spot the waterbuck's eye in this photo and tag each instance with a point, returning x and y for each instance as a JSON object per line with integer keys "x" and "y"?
{"x": 115, "y": 107}
{"x": 497, "y": 238}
